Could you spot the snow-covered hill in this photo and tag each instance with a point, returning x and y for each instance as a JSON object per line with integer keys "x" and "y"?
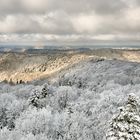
{"x": 78, "y": 104}
{"x": 37, "y": 64}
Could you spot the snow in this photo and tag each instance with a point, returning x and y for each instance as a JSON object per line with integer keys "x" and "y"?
{"x": 127, "y": 124}
{"x": 79, "y": 104}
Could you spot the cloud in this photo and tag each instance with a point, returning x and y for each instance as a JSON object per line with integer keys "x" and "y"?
{"x": 18, "y": 24}
{"x": 71, "y": 7}
{"x": 69, "y": 20}
{"x": 86, "y": 23}
{"x": 45, "y": 24}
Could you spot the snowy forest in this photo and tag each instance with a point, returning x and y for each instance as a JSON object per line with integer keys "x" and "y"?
{"x": 95, "y": 100}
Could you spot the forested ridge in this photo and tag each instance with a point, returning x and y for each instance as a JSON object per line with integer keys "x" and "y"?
{"x": 81, "y": 103}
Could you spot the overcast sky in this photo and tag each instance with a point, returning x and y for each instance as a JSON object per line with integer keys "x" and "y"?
{"x": 70, "y": 21}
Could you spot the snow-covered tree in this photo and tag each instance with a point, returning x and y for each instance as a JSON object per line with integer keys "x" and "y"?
{"x": 45, "y": 91}
{"x": 10, "y": 109}
{"x": 34, "y": 99}
{"x": 78, "y": 106}
{"x": 37, "y": 97}
{"x": 126, "y": 126}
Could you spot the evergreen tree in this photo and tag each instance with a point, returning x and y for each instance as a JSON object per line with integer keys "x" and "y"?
{"x": 126, "y": 126}
{"x": 38, "y": 97}
{"x": 44, "y": 92}
{"x": 34, "y": 99}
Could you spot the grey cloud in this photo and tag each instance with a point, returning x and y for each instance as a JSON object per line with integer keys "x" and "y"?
{"x": 71, "y": 39}
{"x": 109, "y": 6}
{"x": 52, "y": 23}
{"x": 69, "y": 6}
{"x": 18, "y": 24}
{"x": 86, "y": 18}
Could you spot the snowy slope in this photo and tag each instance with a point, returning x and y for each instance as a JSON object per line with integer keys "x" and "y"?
{"x": 76, "y": 105}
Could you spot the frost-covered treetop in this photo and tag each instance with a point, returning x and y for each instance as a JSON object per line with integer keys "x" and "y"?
{"x": 77, "y": 105}
{"x": 126, "y": 126}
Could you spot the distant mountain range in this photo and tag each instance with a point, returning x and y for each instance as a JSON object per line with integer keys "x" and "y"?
{"x": 53, "y": 48}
